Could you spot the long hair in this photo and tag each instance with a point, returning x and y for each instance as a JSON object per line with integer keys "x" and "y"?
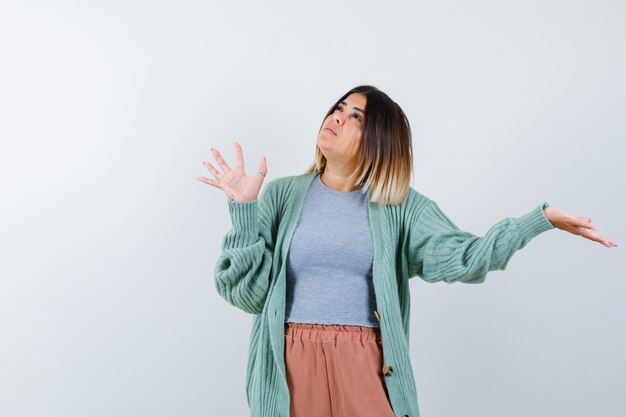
{"x": 385, "y": 163}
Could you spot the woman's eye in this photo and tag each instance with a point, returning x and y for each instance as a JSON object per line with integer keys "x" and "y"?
{"x": 356, "y": 116}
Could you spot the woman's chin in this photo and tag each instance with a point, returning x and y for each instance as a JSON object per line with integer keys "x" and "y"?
{"x": 322, "y": 142}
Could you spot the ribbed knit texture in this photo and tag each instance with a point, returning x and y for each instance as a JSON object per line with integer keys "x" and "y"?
{"x": 411, "y": 239}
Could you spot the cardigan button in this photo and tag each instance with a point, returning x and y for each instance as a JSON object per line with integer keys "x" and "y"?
{"x": 387, "y": 370}
{"x": 377, "y": 315}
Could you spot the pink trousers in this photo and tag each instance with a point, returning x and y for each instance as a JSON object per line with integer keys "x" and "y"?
{"x": 335, "y": 371}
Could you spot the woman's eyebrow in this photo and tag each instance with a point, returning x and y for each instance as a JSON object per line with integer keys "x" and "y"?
{"x": 355, "y": 108}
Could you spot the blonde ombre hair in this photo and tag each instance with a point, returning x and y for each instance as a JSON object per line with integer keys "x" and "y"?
{"x": 385, "y": 163}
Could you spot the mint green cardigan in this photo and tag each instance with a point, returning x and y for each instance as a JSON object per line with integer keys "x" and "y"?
{"x": 411, "y": 239}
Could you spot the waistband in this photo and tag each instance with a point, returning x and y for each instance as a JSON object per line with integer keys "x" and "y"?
{"x": 314, "y": 331}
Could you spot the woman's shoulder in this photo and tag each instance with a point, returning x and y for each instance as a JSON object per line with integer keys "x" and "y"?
{"x": 415, "y": 201}
{"x": 414, "y": 195}
{"x": 290, "y": 181}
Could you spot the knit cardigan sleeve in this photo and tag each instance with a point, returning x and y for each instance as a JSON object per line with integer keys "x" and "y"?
{"x": 242, "y": 272}
{"x": 440, "y": 251}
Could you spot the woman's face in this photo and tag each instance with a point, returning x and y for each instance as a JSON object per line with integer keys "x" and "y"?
{"x": 340, "y": 136}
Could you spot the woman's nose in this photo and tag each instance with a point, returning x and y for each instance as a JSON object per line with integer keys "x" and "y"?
{"x": 337, "y": 117}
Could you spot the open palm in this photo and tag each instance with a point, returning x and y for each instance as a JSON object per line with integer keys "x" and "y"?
{"x": 235, "y": 182}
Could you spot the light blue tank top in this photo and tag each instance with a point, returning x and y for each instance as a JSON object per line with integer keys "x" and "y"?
{"x": 329, "y": 264}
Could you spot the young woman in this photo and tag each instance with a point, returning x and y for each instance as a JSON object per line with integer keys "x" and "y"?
{"x": 322, "y": 260}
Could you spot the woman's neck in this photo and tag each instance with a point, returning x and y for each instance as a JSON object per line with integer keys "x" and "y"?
{"x": 337, "y": 180}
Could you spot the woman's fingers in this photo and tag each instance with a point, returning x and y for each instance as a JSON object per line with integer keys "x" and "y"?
{"x": 220, "y": 160}
{"x": 234, "y": 182}
{"x": 239, "y": 155}
{"x": 262, "y": 166}
{"x": 211, "y": 168}
{"x": 591, "y": 235}
{"x": 209, "y": 181}
{"x": 586, "y": 222}
{"x": 585, "y": 228}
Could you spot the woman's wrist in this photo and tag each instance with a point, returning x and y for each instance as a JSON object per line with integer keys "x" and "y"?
{"x": 548, "y": 211}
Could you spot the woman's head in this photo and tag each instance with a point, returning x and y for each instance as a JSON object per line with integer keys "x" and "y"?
{"x": 368, "y": 132}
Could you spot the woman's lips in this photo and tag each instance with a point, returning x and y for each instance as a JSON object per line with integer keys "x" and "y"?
{"x": 330, "y": 130}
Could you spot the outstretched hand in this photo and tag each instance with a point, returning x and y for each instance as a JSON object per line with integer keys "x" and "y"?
{"x": 580, "y": 226}
{"x": 234, "y": 182}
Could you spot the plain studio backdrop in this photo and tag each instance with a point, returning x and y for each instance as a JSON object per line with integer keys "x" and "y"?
{"x": 108, "y": 305}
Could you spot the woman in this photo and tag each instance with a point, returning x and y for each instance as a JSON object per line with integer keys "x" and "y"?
{"x": 323, "y": 261}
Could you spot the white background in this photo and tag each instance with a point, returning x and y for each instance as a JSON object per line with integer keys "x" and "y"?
{"x": 108, "y": 243}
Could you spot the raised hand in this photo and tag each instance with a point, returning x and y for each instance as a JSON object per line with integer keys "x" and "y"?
{"x": 580, "y": 226}
{"x": 234, "y": 182}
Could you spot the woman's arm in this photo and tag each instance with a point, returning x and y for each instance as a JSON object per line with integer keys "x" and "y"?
{"x": 242, "y": 272}
{"x": 440, "y": 251}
